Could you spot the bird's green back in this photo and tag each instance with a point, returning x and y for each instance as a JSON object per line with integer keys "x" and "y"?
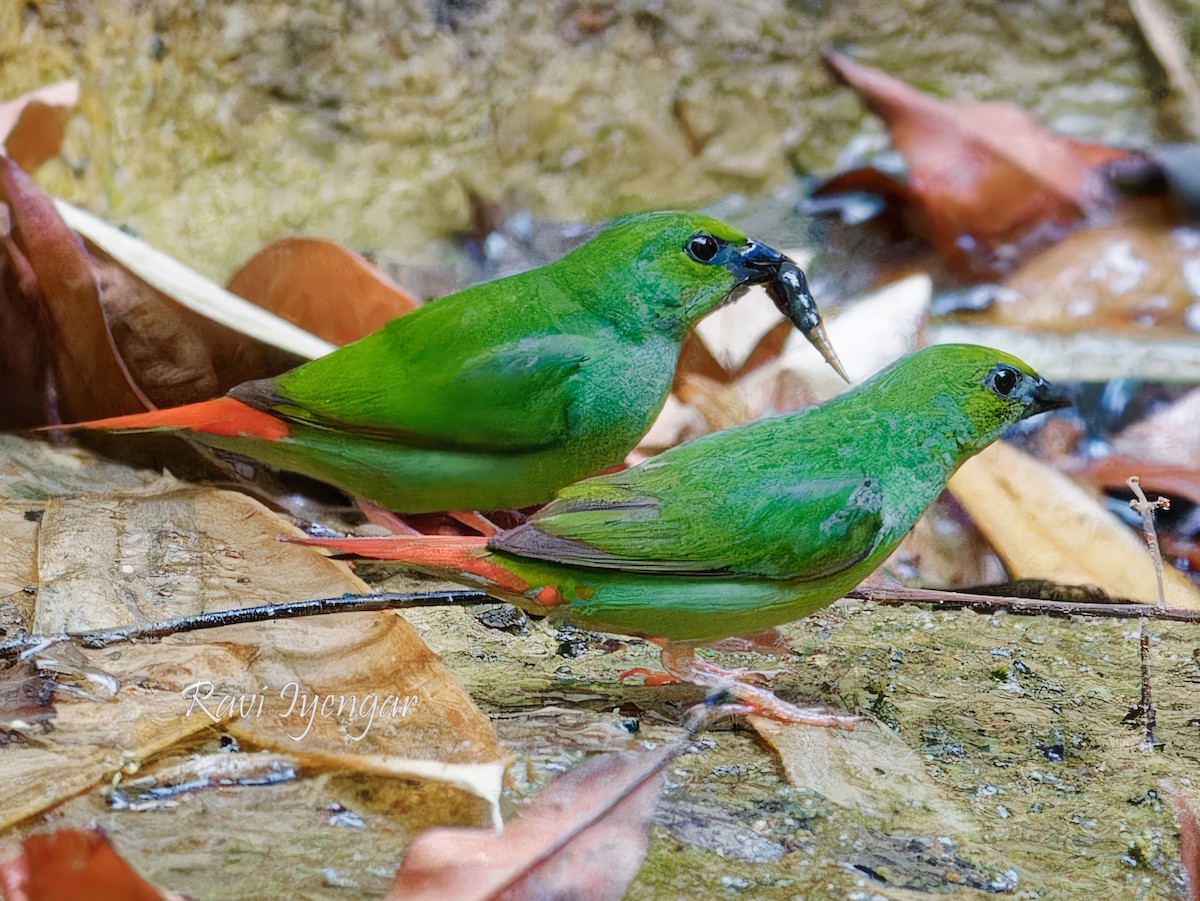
{"x": 495, "y": 366}
{"x": 795, "y": 497}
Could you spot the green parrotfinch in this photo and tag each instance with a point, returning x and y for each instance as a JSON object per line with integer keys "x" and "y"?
{"x": 499, "y": 395}
{"x": 745, "y": 529}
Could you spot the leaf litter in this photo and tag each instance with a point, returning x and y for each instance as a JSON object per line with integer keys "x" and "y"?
{"x": 720, "y": 388}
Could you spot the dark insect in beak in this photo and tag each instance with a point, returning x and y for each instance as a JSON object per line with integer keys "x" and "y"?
{"x": 789, "y": 291}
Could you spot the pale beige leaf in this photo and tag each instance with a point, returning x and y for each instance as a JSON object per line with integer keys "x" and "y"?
{"x": 870, "y": 770}
{"x": 190, "y": 288}
{"x": 1044, "y": 526}
{"x": 163, "y": 549}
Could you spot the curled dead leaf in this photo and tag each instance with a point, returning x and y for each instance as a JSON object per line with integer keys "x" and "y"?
{"x": 981, "y": 175}
{"x": 322, "y": 287}
{"x": 166, "y": 549}
{"x": 582, "y": 837}
{"x": 93, "y": 339}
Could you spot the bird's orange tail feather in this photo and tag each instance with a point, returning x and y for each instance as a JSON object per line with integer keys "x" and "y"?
{"x": 454, "y": 555}
{"x": 223, "y": 416}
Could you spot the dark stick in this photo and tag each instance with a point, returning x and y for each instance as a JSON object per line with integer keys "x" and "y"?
{"x": 981, "y": 603}
{"x": 354, "y": 603}
{"x": 347, "y": 603}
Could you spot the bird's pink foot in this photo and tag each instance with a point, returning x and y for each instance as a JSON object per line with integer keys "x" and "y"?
{"x": 763, "y": 702}
{"x": 681, "y": 662}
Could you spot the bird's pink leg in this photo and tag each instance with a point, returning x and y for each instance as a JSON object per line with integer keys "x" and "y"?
{"x": 381, "y": 516}
{"x": 476, "y": 521}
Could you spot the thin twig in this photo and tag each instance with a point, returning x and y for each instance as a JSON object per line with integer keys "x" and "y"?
{"x": 347, "y": 603}
{"x": 985, "y": 603}
{"x": 1145, "y": 708}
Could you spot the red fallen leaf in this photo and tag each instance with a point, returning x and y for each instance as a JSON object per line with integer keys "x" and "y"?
{"x": 70, "y": 864}
{"x": 84, "y": 338}
{"x": 90, "y": 378}
{"x": 24, "y": 368}
{"x": 582, "y": 837}
{"x": 1162, "y": 450}
{"x": 979, "y": 173}
{"x": 322, "y": 287}
{"x": 32, "y": 126}
{"x": 1189, "y": 845}
{"x": 1156, "y": 478}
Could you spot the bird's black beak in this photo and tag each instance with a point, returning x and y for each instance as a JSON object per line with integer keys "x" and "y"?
{"x": 1046, "y": 397}
{"x": 789, "y": 291}
{"x": 756, "y": 263}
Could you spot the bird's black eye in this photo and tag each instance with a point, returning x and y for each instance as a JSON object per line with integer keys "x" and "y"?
{"x": 1003, "y": 380}
{"x": 702, "y": 248}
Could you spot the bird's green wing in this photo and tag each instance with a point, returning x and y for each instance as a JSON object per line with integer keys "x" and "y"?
{"x": 710, "y": 520}
{"x": 439, "y": 377}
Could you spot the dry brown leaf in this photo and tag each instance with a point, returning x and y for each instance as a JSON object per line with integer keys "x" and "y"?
{"x": 1157, "y": 478}
{"x": 1121, "y": 278}
{"x": 582, "y": 837}
{"x": 112, "y": 343}
{"x": 32, "y": 126}
{"x": 1044, "y": 526}
{"x": 983, "y": 173}
{"x": 322, "y": 287}
{"x": 90, "y": 379}
{"x": 1189, "y": 841}
{"x": 70, "y": 864}
{"x": 167, "y": 550}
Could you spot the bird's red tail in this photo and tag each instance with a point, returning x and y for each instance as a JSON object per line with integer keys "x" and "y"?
{"x": 223, "y": 416}
{"x": 463, "y": 558}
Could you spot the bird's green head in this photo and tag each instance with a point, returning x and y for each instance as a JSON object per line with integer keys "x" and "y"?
{"x": 968, "y": 393}
{"x": 668, "y": 270}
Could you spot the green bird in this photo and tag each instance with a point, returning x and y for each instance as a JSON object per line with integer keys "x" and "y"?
{"x": 499, "y": 395}
{"x": 742, "y": 530}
